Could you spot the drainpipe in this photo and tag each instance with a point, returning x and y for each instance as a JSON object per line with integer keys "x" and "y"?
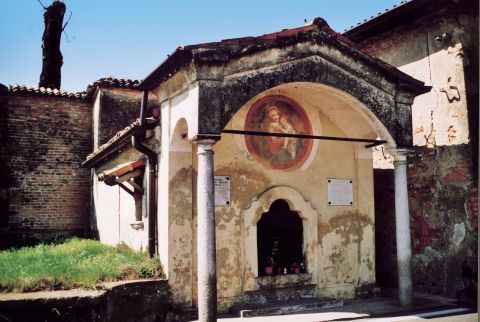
{"x": 152, "y": 161}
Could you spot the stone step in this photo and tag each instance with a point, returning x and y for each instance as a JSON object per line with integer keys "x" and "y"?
{"x": 286, "y": 307}
{"x": 281, "y": 294}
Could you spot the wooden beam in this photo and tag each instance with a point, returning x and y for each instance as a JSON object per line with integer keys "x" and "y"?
{"x": 135, "y": 186}
{"x": 124, "y": 187}
{"x": 129, "y": 175}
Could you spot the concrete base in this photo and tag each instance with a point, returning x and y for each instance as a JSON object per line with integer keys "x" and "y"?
{"x": 289, "y": 293}
{"x": 279, "y": 308}
{"x": 140, "y": 300}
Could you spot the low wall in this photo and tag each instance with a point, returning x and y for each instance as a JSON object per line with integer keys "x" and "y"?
{"x": 140, "y": 300}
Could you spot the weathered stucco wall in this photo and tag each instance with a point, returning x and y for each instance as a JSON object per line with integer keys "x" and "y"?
{"x": 345, "y": 233}
{"x": 342, "y": 257}
{"x": 344, "y": 92}
{"x": 435, "y": 53}
{"x": 115, "y": 221}
{"x": 113, "y": 218}
{"x": 442, "y": 52}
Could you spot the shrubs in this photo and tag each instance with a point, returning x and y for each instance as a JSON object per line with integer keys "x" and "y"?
{"x": 75, "y": 263}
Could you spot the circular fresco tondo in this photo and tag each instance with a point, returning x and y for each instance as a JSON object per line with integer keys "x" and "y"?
{"x": 278, "y": 114}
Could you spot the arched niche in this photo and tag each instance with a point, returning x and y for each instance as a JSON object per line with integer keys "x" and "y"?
{"x": 280, "y": 248}
{"x": 175, "y": 218}
{"x": 347, "y": 112}
{"x": 296, "y": 203}
{"x": 179, "y": 137}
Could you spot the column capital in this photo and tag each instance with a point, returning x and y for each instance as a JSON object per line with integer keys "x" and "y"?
{"x": 206, "y": 139}
{"x": 399, "y": 154}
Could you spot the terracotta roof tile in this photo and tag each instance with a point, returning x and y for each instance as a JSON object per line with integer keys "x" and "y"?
{"x": 29, "y": 90}
{"x": 238, "y": 47}
{"x": 120, "y": 134}
{"x": 127, "y": 131}
{"x": 317, "y": 24}
{"x": 395, "y": 6}
{"x": 112, "y": 82}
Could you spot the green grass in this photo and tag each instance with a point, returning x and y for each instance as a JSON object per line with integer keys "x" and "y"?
{"x": 75, "y": 263}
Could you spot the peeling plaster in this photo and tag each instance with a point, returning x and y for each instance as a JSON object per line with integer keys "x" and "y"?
{"x": 458, "y": 233}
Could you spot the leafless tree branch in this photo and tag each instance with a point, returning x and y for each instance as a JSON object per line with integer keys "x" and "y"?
{"x": 45, "y": 8}
{"x": 66, "y": 23}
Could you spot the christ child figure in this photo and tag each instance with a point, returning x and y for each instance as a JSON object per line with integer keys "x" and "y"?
{"x": 289, "y": 144}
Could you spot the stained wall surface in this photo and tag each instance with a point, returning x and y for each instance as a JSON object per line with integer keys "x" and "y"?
{"x": 338, "y": 240}
{"x": 442, "y": 51}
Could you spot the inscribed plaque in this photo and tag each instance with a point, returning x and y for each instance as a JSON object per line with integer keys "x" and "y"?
{"x": 340, "y": 192}
{"x": 222, "y": 190}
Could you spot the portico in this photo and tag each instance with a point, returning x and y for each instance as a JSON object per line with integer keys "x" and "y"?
{"x": 325, "y": 102}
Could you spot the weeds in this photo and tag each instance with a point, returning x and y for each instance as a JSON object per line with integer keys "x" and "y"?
{"x": 75, "y": 263}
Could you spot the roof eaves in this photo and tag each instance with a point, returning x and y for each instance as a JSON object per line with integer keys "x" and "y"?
{"x": 167, "y": 68}
{"x": 117, "y": 141}
{"x": 381, "y": 16}
{"x": 109, "y": 147}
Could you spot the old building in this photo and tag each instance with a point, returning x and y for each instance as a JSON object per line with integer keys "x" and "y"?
{"x": 305, "y": 204}
{"x": 321, "y": 208}
{"x": 440, "y": 48}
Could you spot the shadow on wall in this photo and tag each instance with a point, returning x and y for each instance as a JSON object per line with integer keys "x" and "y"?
{"x": 385, "y": 236}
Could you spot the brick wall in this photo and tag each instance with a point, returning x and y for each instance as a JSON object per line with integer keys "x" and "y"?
{"x": 443, "y": 215}
{"x": 118, "y": 109}
{"x": 44, "y": 191}
{"x": 443, "y": 204}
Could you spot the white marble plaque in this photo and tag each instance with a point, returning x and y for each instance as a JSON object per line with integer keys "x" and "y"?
{"x": 222, "y": 190}
{"x": 340, "y": 192}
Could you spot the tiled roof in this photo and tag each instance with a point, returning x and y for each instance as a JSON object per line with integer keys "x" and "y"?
{"x": 21, "y": 89}
{"x": 118, "y": 137}
{"x": 112, "y": 82}
{"x": 378, "y": 15}
{"x": 239, "y": 46}
{"x": 317, "y": 24}
{"x": 235, "y": 48}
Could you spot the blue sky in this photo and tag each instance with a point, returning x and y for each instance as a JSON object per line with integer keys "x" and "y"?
{"x": 128, "y": 39}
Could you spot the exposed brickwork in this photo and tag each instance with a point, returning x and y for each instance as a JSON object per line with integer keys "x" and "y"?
{"x": 471, "y": 208}
{"x": 443, "y": 219}
{"x": 443, "y": 173}
{"x": 44, "y": 192}
{"x": 118, "y": 109}
{"x": 443, "y": 238}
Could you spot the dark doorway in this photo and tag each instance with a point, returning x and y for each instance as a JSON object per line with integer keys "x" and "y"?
{"x": 280, "y": 241}
{"x": 385, "y": 236}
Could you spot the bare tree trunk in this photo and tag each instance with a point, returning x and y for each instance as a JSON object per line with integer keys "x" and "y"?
{"x": 52, "y": 59}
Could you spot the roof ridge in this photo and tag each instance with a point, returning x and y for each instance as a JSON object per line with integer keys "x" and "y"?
{"x": 112, "y": 82}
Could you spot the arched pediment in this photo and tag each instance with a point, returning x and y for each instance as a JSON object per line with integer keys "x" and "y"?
{"x": 261, "y": 205}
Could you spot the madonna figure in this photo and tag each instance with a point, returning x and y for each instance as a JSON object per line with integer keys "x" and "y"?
{"x": 278, "y": 114}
